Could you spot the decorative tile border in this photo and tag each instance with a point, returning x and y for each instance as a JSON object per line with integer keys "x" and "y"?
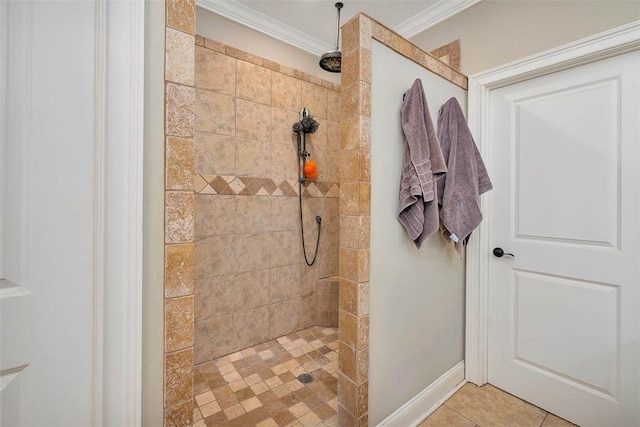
{"x": 449, "y": 54}
{"x": 250, "y": 186}
{"x": 404, "y": 47}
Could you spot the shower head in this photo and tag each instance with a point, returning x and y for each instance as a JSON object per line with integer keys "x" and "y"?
{"x": 332, "y": 60}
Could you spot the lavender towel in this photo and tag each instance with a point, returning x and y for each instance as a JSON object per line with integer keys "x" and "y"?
{"x": 423, "y": 164}
{"x": 467, "y": 178}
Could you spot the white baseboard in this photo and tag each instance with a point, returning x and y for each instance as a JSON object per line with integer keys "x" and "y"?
{"x": 428, "y": 400}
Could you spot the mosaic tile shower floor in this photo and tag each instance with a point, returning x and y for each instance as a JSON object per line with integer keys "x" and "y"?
{"x": 258, "y": 386}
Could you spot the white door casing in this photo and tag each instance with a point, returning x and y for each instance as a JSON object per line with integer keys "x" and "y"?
{"x": 565, "y": 270}
{"x": 71, "y": 212}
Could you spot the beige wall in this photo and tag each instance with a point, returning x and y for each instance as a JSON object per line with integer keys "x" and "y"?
{"x": 251, "y": 284}
{"x": 215, "y": 27}
{"x": 494, "y": 32}
{"x": 416, "y": 296}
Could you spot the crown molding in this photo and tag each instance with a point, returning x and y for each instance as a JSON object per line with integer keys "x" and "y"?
{"x": 437, "y": 13}
{"x": 251, "y": 18}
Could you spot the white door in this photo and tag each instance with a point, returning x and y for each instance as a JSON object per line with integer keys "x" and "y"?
{"x": 66, "y": 160}
{"x": 563, "y": 314}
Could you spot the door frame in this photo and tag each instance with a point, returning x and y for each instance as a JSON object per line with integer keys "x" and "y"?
{"x": 611, "y": 43}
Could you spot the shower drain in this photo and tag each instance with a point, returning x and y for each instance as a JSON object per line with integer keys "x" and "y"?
{"x": 305, "y": 378}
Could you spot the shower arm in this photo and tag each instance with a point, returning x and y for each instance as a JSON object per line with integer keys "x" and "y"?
{"x": 338, "y": 6}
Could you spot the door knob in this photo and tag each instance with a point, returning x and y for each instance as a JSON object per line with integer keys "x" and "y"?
{"x": 498, "y": 252}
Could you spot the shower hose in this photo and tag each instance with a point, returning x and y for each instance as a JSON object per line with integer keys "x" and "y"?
{"x": 301, "y": 179}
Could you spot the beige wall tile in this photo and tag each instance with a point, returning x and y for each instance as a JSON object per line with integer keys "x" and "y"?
{"x": 281, "y": 126}
{"x": 285, "y": 213}
{"x": 179, "y": 221}
{"x": 179, "y": 60}
{"x": 179, "y": 415}
{"x": 213, "y": 338}
{"x": 253, "y": 120}
{"x": 356, "y": 33}
{"x": 333, "y": 134}
{"x": 364, "y": 204}
{"x": 308, "y": 310}
{"x": 288, "y": 244}
{"x": 365, "y": 165}
{"x": 215, "y": 71}
{"x": 253, "y": 158}
{"x": 356, "y": 100}
{"x": 214, "y": 45}
{"x": 214, "y": 297}
{"x": 348, "y": 263}
{"x": 284, "y": 283}
{"x": 283, "y": 317}
{"x": 178, "y": 378}
{"x": 363, "y": 265}
{"x": 178, "y": 327}
{"x": 181, "y": 15}
{"x": 362, "y": 374}
{"x": 253, "y": 214}
{"x": 215, "y": 154}
{"x": 179, "y": 163}
{"x": 251, "y": 327}
{"x": 253, "y": 83}
{"x": 350, "y": 166}
{"x": 354, "y": 330}
{"x": 357, "y": 67}
{"x": 215, "y": 215}
{"x": 284, "y": 162}
{"x": 179, "y": 116}
{"x": 347, "y": 394}
{"x": 355, "y": 132}
{"x": 178, "y": 273}
{"x": 314, "y": 97}
{"x": 318, "y": 140}
{"x": 363, "y": 403}
{"x": 251, "y": 290}
{"x": 253, "y": 252}
{"x": 349, "y": 198}
{"x": 334, "y": 109}
{"x": 354, "y": 297}
{"x": 345, "y": 418}
{"x": 215, "y": 256}
{"x": 308, "y": 282}
{"x": 347, "y": 361}
{"x": 215, "y": 113}
{"x": 286, "y": 92}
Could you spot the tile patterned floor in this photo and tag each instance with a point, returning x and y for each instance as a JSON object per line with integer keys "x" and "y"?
{"x": 258, "y": 386}
{"x": 489, "y": 406}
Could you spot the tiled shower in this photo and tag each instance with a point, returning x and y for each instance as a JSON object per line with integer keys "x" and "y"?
{"x": 252, "y": 285}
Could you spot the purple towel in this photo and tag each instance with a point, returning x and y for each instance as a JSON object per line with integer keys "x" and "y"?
{"x": 423, "y": 164}
{"x": 459, "y": 192}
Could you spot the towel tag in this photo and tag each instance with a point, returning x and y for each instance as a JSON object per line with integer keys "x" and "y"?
{"x": 453, "y": 237}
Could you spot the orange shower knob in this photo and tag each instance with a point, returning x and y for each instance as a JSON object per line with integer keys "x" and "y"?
{"x": 311, "y": 170}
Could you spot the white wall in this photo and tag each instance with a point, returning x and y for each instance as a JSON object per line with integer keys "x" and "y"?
{"x": 494, "y": 32}
{"x": 416, "y": 296}
{"x": 218, "y": 28}
{"x": 153, "y": 226}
